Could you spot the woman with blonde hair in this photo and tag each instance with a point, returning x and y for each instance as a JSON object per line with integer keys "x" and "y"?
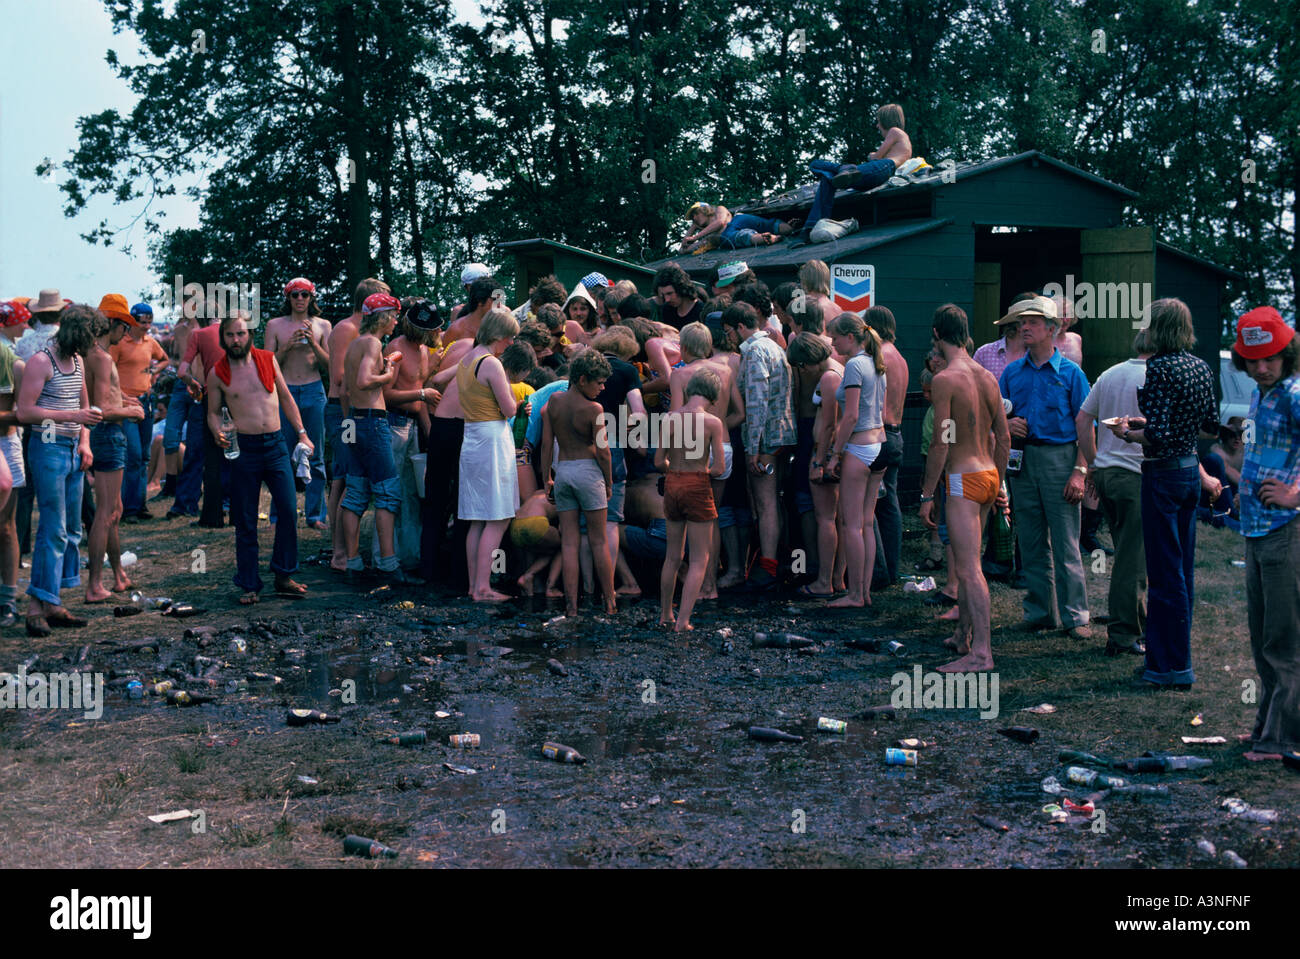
{"x": 856, "y": 446}
{"x": 489, "y": 482}
{"x": 813, "y": 359}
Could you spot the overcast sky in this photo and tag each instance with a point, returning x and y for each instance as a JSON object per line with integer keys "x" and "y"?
{"x": 55, "y": 73}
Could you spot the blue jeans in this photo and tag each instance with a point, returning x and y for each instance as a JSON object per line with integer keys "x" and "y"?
{"x": 742, "y": 228}
{"x": 189, "y": 485}
{"x": 1169, "y": 500}
{"x": 310, "y": 398}
{"x": 57, "y": 477}
{"x": 262, "y": 459}
{"x": 870, "y": 175}
{"x": 139, "y": 437}
{"x": 371, "y": 472}
{"x": 178, "y": 411}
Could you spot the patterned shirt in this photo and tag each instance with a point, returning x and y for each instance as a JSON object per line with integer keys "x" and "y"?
{"x": 1177, "y": 401}
{"x": 765, "y": 384}
{"x": 993, "y": 356}
{"x": 1274, "y": 454}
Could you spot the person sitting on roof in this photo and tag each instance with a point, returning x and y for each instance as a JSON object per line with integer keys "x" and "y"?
{"x": 733, "y": 230}
{"x": 893, "y": 152}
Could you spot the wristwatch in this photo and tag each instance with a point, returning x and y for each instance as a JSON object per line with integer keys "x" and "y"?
{"x": 1082, "y": 469}
{"x": 926, "y": 499}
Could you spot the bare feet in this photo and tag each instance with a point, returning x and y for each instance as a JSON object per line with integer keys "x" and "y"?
{"x": 490, "y": 596}
{"x": 708, "y": 595}
{"x": 525, "y": 584}
{"x": 632, "y": 590}
{"x": 319, "y": 525}
{"x": 339, "y": 563}
{"x": 100, "y": 595}
{"x": 958, "y": 644}
{"x": 1246, "y": 738}
{"x": 951, "y": 616}
{"x": 554, "y": 592}
{"x": 845, "y": 602}
{"x": 684, "y": 627}
{"x": 611, "y": 608}
{"x": 248, "y": 599}
{"x": 284, "y": 586}
{"x": 728, "y": 581}
{"x": 969, "y": 663}
{"x": 123, "y": 584}
{"x": 1261, "y": 757}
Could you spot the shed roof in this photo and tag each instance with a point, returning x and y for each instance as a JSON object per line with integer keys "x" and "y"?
{"x": 1200, "y": 261}
{"x": 539, "y": 245}
{"x": 802, "y": 197}
{"x": 785, "y": 255}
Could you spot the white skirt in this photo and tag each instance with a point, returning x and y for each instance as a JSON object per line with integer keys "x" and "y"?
{"x": 489, "y": 481}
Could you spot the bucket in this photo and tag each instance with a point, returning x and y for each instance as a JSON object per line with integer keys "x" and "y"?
{"x": 418, "y": 462}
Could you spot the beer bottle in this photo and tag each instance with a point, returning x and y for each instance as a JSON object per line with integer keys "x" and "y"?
{"x": 1004, "y": 546}
{"x": 307, "y": 717}
{"x": 770, "y": 735}
{"x": 782, "y": 641}
{"x": 1083, "y": 759}
{"x": 1021, "y": 734}
{"x": 562, "y": 754}
{"x": 413, "y": 738}
{"x": 369, "y": 848}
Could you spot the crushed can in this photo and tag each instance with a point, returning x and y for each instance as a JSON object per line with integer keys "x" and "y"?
{"x": 900, "y": 757}
{"x": 827, "y": 725}
{"x": 465, "y": 740}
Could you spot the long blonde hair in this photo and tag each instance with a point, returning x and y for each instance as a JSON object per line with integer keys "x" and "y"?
{"x": 850, "y": 324}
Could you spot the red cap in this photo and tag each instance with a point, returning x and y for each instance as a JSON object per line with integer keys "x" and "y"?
{"x": 1261, "y": 333}
{"x": 376, "y": 302}
{"x": 14, "y": 313}
{"x": 301, "y": 283}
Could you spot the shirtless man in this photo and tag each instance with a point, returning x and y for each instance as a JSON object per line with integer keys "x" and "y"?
{"x": 1070, "y": 344}
{"x": 691, "y": 453}
{"x": 733, "y": 539}
{"x": 697, "y": 354}
{"x": 108, "y": 447}
{"x": 889, "y": 517}
{"x": 584, "y": 474}
{"x": 732, "y": 229}
{"x": 967, "y": 398}
{"x": 249, "y": 384}
{"x": 883, "y": 162}
{"x": 408, "y": 401}
{"x": 482, "y": 297}
{"x": 298, "y": 339}
{"x": 371, "y": 471}
{"x": 815, "y": 281}
{"x": 336, "y": 406}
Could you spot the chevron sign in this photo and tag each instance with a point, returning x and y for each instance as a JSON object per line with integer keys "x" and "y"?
{"x": 853, "y": 286}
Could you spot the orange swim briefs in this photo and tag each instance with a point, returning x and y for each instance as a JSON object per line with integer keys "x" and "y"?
{"x": 688, "y": 497}
{"x": 980, "y": 486}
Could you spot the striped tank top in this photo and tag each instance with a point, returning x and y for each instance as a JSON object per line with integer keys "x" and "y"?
{"x": 62, "y": 391}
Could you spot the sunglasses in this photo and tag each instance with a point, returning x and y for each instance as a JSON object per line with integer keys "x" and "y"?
{"x": 297, "y": 293}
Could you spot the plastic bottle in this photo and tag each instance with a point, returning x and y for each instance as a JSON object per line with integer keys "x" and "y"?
{"x": 1003, "y": 541}
{"x": 308, "y": 717}
{"x": 228, "y": 431}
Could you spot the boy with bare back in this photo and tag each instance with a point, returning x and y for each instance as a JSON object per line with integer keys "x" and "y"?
{"x": 882, "y": 163}
{"x": 690, "y": 454}
{"x": 336, "y": 407}
{"x": 584, "y": 473}
{"x": 970, "y": 446}
{"x": 697, "y": 354}
{"x": 108, "y": 446}
{"x": 249, "y": 384}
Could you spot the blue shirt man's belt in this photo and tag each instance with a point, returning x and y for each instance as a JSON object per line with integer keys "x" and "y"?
{"x": 1171, "y": 463}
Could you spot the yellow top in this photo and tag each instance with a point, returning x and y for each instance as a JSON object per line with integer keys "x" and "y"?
{"x": 477, "y": 400}
{"x": 521, "y": 392}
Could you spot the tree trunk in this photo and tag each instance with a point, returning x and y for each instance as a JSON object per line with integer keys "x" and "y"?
{"x": 354, "y": 123}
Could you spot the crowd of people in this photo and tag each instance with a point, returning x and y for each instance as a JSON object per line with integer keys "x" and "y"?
{"x": 727, "y": 437}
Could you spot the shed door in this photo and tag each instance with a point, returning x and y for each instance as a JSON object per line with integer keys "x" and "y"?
{"x": 988, "y": 300}
{"x": 1119, "y": 273}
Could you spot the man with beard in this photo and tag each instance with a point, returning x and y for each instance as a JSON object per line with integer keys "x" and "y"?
{"x": 248, "y": 383}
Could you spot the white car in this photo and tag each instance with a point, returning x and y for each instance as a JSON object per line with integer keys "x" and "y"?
{"x": 1238, "y": 388}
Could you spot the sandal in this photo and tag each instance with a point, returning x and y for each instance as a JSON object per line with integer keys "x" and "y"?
{"x": 37, "y": 626}
{"x": 806, "y": 592}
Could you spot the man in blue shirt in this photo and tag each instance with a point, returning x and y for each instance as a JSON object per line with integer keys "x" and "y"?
{"x": 1266, "y": 349}
{"x": 1046, "y": 391}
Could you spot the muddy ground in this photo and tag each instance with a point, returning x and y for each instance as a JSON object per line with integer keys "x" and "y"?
{"x": 669, "y": 782}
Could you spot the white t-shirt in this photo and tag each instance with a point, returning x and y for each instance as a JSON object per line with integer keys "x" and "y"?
{"x": 1115, "y": 394}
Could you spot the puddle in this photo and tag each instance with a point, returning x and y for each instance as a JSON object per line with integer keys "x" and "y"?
{"x": 322, "y": 671}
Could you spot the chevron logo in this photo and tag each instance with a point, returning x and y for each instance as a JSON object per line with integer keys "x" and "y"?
{"x": 853, "y": 286}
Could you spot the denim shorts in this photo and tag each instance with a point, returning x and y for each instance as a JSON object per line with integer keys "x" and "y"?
{"x": 370, "y": 468}
{"x": 108, "y": 447}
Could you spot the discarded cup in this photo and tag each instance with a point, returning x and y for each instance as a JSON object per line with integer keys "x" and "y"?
{"x": 465, "y": 740}
{"x": 562, "y": 753}
{"x": 832, "y": 725}
{"x": 368, "y": 848}
{"x": 900, "y": 757}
